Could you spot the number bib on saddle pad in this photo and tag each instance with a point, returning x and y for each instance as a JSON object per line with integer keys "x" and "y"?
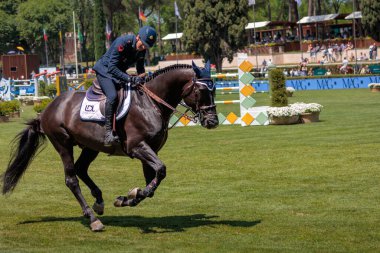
{"x": 92, "y": 108}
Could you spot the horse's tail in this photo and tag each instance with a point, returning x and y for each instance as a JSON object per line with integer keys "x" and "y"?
{"x": 25, "y": 146}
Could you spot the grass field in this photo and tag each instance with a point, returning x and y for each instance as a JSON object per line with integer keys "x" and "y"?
{"x": 296, "y": 188}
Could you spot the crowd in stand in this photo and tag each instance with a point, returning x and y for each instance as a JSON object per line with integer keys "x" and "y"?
{"x": 335, "y": 52}
{"x": 304, "y": 70}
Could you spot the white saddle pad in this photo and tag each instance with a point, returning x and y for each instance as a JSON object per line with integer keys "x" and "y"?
{"x": 90, "y": 110}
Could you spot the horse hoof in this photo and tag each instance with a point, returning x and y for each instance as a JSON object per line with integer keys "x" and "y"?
{"x": 98, "y": 208}
{"x": 97, "y": 226}
{"x": 118, "y": 201}
{"x": 132, "y": 194}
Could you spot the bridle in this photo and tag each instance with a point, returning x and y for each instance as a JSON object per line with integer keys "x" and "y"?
{"x": 189, "y": 87}
{"x": 208, "y": 82}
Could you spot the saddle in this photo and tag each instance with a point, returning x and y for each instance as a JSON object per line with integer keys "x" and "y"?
{"x": 93, "y": 104}
{"x": 95, "y": 93}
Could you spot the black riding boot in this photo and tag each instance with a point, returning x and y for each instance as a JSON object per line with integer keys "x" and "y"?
{"x": 109, "y": 138}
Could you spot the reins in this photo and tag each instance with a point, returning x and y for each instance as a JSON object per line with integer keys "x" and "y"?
{"x": 163, "y": 102}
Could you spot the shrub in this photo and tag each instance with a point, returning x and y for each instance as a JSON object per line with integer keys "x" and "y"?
{"x": 5, "y": 108}
{"x": 14, "y": 105}
{"x": 41, "y": 90}
{"x": 51, "y": 91}
{"x": 38, "y": 108}
{"x": 277, "y": 88}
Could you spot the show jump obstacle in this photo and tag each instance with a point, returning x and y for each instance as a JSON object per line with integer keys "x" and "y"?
{"x": 249, "y": 115}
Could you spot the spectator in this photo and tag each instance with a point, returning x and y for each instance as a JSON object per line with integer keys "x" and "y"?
{"x": 328, "y": 72}
{"x": 361, "y": 57}
{"x": 310, "y": 72}
{"x": 352, "y": 57}
{"x": 370, "y": 51}
{"x": 374, "y": 51}
{"x": 330, "y": 52}
{"x": 348, "y": 48}
{"x": 343, "y": 68}
{"x": 365, "y": 70}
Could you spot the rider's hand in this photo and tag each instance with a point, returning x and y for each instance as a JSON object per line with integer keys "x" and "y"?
{"x": 135, "y": 80}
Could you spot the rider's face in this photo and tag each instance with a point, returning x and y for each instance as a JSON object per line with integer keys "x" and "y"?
{"x": 139, "y": 45}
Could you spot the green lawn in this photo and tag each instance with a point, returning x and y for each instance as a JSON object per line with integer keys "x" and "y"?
{"x": 296, "y": 188}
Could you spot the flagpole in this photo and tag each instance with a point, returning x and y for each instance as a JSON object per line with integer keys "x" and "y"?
{"x": 46, "y": 49}
{"x": 176, "y": 39}
{"x": 62, "y": 52}
{"x": 75, "y": 47}
{"x": 140, "y": 21}
{"x": 254, "y": 35}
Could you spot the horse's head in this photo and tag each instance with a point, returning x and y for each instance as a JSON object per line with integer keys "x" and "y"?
{"x": 199, "y": 95}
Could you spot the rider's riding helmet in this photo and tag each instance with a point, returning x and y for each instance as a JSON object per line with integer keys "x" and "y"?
{"x": 148, "y": 36}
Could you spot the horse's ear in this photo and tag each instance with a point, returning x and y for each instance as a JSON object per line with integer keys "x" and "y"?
{"x": 197, "y": 71}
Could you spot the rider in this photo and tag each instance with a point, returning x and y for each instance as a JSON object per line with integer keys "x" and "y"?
{"x": 111, "y": 69}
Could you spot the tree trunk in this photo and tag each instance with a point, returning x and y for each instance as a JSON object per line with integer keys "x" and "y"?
{"x": 159, "y": 28}
{"x": 318, "y": 7}
{"x": 99, "y": 24}
{"x": 310, "y": 8}
{"x": 269, "y": 11}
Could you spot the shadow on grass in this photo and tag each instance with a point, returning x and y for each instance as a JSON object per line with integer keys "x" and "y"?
{"x": 165, "y": 224}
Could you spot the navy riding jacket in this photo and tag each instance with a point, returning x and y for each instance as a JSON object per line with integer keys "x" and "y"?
{"x": 121, "y": 55}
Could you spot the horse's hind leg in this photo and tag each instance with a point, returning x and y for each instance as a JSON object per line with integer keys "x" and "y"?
{"x": 65, "y": 150}
{"x": 81, "y": 169}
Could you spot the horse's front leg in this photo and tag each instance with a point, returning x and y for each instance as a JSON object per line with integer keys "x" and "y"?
{"x": 149, "y": 159}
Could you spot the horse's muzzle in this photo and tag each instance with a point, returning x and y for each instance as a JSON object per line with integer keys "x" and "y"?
{"x": 208, "y": 117}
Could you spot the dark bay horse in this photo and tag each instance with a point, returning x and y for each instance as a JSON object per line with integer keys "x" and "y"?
{"x": 143, "y": 131}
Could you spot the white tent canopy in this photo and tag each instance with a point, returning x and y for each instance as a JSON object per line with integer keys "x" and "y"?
{"x": 172, "y": 36}
{"x": 317, "y": 19}
{"x": 356, "y": 14}
{"x": 257, "y": 24}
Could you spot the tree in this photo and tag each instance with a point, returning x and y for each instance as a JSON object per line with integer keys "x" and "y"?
{"x": 215, "y": 29}
{"x": 8, "y": 35}
{"x": 370, "y": 17}
{"x": 51, "y": 15}
{"x": 99, "y": 29}
{"x": 84, "y": 12}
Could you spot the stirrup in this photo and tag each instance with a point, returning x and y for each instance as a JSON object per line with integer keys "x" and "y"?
{"x": 110, "y": 139}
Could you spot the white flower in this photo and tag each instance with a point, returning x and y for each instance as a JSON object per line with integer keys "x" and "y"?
{"x": 285, "y": 111}
{"x": 306, "y": 108}
{"x": 374, "y": 85}
{"x": 293, "y": 109}
{"x": 290, "y": 89}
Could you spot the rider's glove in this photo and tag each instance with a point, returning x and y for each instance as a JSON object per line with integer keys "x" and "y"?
{"x": 135, "y": 80}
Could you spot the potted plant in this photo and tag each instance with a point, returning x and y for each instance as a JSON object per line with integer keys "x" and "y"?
{"x": 5, "y": 110}
{"x": 290, "y": 91}
{"x": 38, "y": 108}
{"x": 15, "y": 108}
{"x": 280, "y": 113}
{"x": 284, "y": 115}
{"x": 308, "y": 112}
{"x": 374, "y": 87}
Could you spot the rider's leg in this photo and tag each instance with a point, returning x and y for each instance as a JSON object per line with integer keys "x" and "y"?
{"x": 109, "y": 90}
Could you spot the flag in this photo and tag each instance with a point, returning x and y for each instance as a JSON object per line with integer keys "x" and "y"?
{"x": 108, "y": 31}
{"x": 299, "y": 2}
{"x": 251, "y": 2}
{"x": 45, "y": 36}
{"x": 80, "y": 35}
{"x": 60, "y": 37}
{"x": 176, "y": 11}
{"x": 142, "y": 16}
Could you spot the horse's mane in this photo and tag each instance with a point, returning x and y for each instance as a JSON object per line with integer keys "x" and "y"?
{"x": 167, "y": 69}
